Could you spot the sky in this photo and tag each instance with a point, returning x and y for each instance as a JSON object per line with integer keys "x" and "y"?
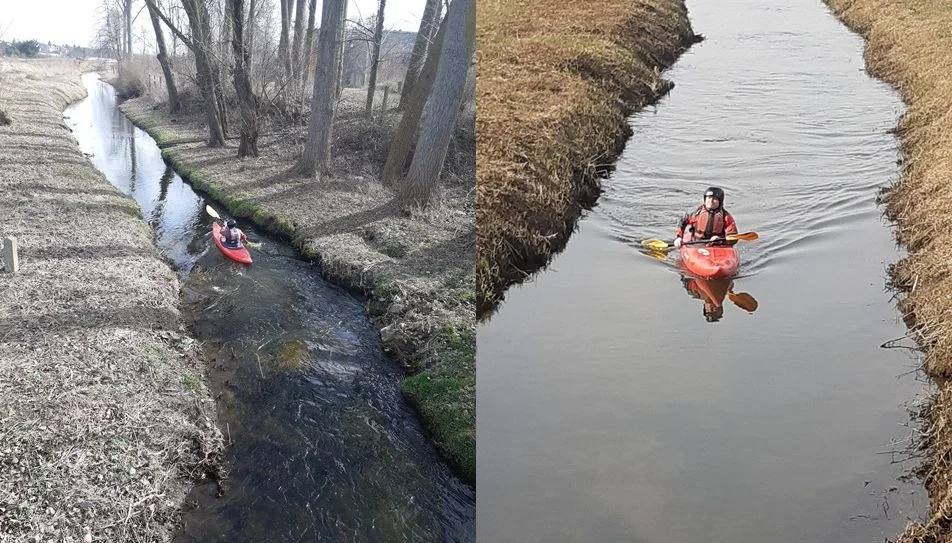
{"x": 73, "y": 22}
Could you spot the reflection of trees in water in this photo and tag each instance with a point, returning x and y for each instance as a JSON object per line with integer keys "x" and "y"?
{"x": 158, "y": 210}
{"x": 131, "y": 142}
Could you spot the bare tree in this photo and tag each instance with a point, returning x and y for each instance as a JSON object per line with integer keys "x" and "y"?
{"x": 248, "y": 102}
{"x": 284, "y": 54}
{"x": 298, "y": 37}
{"x": 308, "y": 46}
{"x": 399, "y": 154}
{"x": 205, "y": 67}
{"x": 163, "y": 58}
{"x": 250, "y": 43}
{"x": 443, "y": 105}
{"x": 127, "y": 25}
{"x": 423, "y": 37}
{"x": 340, "y": 58}
{"x": 316, "y": 155}
{"x": 109, "y": 34}
{"x": 375, "y": 58}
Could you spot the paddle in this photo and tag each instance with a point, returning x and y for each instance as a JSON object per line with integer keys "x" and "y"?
{"x": 743, "y": 300}
{"x": 211, "y": 211}
{"x": 661, "y": 245}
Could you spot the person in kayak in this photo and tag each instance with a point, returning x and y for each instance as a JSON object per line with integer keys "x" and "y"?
{"x": 710, "y": 221}
{"x": 231, "y": 235}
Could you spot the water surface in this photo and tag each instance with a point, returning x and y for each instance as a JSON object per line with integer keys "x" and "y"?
{"x": 611, "y": 408}
{"x": 322, "y": 445}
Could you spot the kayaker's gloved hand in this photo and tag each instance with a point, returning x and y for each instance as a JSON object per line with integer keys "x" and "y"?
{"x": 677, "y": 242}
{"x": 715, "y": 238}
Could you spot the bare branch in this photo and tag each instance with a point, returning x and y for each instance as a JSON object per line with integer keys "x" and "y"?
{"x": 188, "y": 43}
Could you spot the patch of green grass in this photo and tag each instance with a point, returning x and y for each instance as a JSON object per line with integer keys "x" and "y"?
{"x": 191, "y": 382}
{"x": 466, "y": 295}
{"x": 445, "y": 396}
{"x": 383, "y": 289}
{"x": 242, "y": 208}
{"x": 152, "y": 357}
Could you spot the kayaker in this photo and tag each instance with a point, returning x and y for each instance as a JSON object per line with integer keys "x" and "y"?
{"x": 709, "y": 221}
{"x": 231, "y": 235}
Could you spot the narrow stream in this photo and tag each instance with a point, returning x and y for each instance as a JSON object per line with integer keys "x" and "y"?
{"x": 613, "y": 406}
{"x": 324, "y": 446}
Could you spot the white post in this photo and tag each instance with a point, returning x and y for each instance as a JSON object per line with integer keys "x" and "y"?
{"x": 11, "y": 262}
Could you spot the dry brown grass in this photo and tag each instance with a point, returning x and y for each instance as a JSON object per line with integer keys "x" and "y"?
{"x": 103, "y": 416}
{"x": 910, "y": 46}
{"x": 556, "y": 81}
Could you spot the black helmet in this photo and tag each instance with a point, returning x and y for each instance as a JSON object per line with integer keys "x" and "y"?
{"x": 713, "y": 314}
{"x": 716, "y": 193}
{"x": 230, "y": 223}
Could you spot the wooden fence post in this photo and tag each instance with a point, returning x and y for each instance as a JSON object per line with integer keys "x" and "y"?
{"x": 11, "y": 262}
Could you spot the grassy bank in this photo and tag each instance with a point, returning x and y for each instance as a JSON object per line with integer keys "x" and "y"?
{"x": 556, "y": 81}
{"x": 910, "y": 46}
{"x": 104, "y": 421}
{"x": 416, "y": 271}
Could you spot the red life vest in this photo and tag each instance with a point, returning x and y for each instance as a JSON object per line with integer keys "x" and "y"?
{"x": 709, "y": 223}
{"x": 231, "y": 237}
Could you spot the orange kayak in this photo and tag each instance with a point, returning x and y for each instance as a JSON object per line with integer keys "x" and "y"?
{"x": 240, "y": 254}
{"x": 710, "y": 262}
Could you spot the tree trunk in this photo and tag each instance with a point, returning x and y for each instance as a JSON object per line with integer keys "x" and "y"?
{"x": 127, "y": 19}
{"x": 284, "y": 55}
{"x": 247, "y": 100}
{"x": 164, "y": 61}
{"x": 224, "y": 40}
{"x": 207, "y": 77}
{"x": 250, "y": 45}
{"x": 375, "y": 58}
{"x": 403, "y": 138}
{"x": 443, "y": 105}
{"x": 340, "y": 57}
{"x": 316, "y": 156}
{"x": 308, "y": 46}
{"x": 420, "y": 45}
{"x": 298, "y": 36}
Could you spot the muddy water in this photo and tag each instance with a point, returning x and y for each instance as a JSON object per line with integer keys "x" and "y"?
{"x": 322, "y": 444}
{"x": 612, "y": 408}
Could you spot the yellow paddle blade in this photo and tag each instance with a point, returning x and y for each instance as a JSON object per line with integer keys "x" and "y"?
{"x": 211, "y": 211}
{"x": 655, "y": 244}
{"x": 659, "y": 255}
{"x": 745, "y": 236}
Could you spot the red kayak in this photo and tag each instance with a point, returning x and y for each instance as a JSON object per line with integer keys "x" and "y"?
{"x": 710, "y": 262}
{"x": 240, "y": 254}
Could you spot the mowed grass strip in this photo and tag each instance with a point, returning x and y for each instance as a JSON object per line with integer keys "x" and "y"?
{"x": 555, "y": 81}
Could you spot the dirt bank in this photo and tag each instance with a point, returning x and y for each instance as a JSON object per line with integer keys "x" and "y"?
{"x": 553, "y": 94}
{"x": 910, "y": 46}
{"x": 104, "y": 418}
{"x": 417, "y": 272}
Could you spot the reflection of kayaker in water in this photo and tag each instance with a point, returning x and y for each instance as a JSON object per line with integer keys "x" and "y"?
{"x": 709, "y": 221}
{"x": 713, "y": 292}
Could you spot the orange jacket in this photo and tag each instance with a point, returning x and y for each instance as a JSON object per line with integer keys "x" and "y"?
{"x": 707, "y": 223}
